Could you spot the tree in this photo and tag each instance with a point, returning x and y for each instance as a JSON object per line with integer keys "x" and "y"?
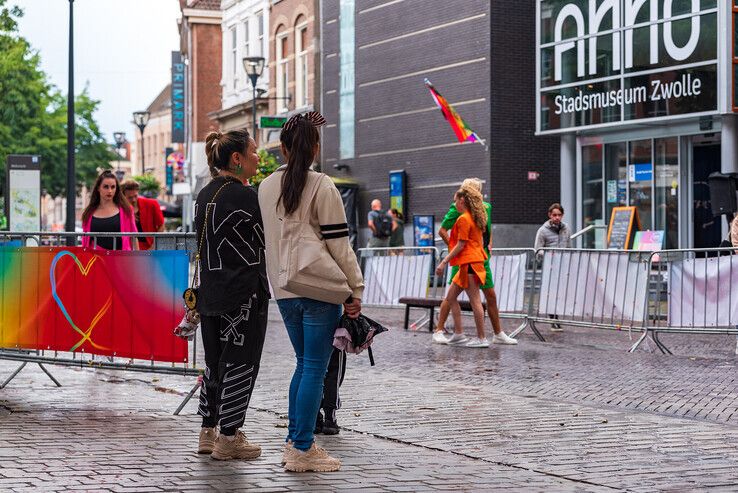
{"x": 267, "y": 165}
{"x": 33, "y": 116}
{"x": 150, "y": 185}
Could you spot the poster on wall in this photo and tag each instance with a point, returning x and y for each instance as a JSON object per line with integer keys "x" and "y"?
{"x": 23, "y": 192}
{"x": 397, "y": 185}
{"x": 424, "y": 230}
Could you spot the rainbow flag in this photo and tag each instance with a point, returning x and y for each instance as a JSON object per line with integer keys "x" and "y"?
{"x": 459, "y": 126}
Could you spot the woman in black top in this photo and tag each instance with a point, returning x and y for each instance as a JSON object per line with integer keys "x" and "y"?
{"x": 108, "y": 212}
{"x": 233, "y": 297}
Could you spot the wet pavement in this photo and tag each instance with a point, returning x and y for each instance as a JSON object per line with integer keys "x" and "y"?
{"x": 576, "y": 413}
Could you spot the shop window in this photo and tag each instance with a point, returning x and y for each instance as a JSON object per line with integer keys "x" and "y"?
{"x": 592, "y": 194}
{"x": 616, "y": 178}
{"x": 666, "y": 189}
{"x": 640, "y": 180}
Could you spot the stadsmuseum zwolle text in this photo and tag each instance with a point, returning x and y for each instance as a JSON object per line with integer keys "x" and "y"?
{"x": 659, "y": 90}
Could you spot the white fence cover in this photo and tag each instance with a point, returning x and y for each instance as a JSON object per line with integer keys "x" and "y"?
{"x": 388, "y": 278}
{"x": 703, "y": 292}
{"x": 508, "y": 272}
{"x": 594, "y": 286}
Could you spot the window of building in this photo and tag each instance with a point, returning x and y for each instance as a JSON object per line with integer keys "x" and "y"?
{"x": 234, "y": 55}
{"x": 282, "y": 71}
{"x": 301, "y": 63}
{"x": 260, "y": 33}
{"x": 346, "y": 104}
{"x": 246, "y": 39}
{"x": 735, "y": 57}
{"x": 642, "y": 173}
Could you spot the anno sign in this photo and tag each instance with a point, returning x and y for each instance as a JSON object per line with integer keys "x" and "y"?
{"x": 613, "y": 61}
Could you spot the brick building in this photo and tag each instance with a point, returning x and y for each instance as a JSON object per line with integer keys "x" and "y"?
{"x": 244, "y": 30}
{"x": 293, "y": 60}
{"x": 200, "y": 44}
{"x": 481, "y": 56}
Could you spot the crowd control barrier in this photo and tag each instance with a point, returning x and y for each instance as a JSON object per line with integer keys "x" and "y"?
{"x": 66, "y": 305}
{"x": 695, "y": 292}
{"x": 672, "y": 291}
{"x": 590, "y": 288}
{"x": 391, "y": 273}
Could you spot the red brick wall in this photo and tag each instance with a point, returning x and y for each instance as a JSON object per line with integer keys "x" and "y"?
{"x": 206, "y": 93}
{"x": 286, "y": 13}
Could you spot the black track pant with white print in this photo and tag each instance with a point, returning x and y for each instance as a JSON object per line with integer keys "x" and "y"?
{"x": 332, "y": 383}
{"x": 233, "y": 343}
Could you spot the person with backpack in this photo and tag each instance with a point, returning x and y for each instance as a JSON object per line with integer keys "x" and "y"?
{"x": 380, "y": 223}
{"x": 305, "y": 224}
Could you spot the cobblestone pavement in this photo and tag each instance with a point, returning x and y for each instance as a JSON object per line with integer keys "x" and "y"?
{"x": 576, "y": 413}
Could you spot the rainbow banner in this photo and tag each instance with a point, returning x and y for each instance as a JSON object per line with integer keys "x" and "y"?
{"x": 459, "y": 126}
{"x": 110, "y": 303}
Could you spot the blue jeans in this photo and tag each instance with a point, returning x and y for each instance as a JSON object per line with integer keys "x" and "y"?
{"x": 310, "y": 325}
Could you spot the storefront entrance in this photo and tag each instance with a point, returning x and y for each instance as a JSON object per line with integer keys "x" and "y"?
{"x": 707, "y": 229}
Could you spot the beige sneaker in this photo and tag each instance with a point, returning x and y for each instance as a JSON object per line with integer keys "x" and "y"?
{"x": 316, "y": 459}
{"x": 287, "y": 452}
{"x": 207, "y": 440}
{"x": 240, "y": 448}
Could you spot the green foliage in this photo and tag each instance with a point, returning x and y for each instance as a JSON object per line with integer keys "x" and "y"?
{"x": 267, "y": 164}
{"x": 150, "y": 185}
{"x": 33, "y": 115}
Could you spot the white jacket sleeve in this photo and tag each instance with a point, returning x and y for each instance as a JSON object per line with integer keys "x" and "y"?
{"x": 331, "y": 215}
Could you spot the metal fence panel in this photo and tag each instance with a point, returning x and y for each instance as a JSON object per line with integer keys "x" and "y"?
{"x": 596, "y": 287}
{"x": 391, "y": 273}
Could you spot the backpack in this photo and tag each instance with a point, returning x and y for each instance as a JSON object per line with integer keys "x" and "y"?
{"x": 383, "y": 224}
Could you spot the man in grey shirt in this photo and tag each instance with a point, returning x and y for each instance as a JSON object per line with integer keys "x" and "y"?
{"x": 553, "y": 234}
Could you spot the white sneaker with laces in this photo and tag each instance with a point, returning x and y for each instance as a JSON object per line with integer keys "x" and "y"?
{"x": 457, "y": 339}
{"x": 477, "y": 342}
{"x": 439, "y": 337}
{"x": 503, "y": 338}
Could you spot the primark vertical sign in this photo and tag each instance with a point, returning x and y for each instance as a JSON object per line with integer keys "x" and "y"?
{"x": 178, "y": 97}
{"x": 617, "y": 61}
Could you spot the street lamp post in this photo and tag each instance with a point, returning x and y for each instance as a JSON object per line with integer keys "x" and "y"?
{"x": 141, "y": 119}
{"x": 120, "y": 138}
{"x": 254, "y": 66}
{"x": 71, "y": 177}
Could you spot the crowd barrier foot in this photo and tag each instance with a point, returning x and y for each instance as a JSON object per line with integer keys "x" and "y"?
{"x": 514, "y": 334}
{"x": 660, "y": 345}
{"x": 189, "y": 396}
{"x": 23, "y": 365}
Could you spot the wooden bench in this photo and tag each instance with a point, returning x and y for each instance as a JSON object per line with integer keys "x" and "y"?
{"x": 430, "y": 304}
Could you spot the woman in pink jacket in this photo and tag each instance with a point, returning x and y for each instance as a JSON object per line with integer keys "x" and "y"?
{"x": 109, "y": 212}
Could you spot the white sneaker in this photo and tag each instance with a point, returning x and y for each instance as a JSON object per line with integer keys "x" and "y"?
{"x": 439, "y": 337}
{"x": 477, "y": 342}
{"x": 503, "y": 338}
{"x": 556, "y": 328}
{"x": 457, "y": 340}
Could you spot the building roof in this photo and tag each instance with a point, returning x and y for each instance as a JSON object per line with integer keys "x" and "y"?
{"x": 162, "y": 102}
{"x": 204, "y": 4}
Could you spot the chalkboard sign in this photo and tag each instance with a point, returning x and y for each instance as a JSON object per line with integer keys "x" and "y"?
{"x": 624, "y": 222}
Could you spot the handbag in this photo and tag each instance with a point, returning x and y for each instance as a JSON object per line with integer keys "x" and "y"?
{"x": 188, "y": 325}
{"x": 306, "y": 267}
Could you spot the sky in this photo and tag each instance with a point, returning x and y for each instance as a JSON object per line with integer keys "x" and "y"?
{"x": 122, "y": 51}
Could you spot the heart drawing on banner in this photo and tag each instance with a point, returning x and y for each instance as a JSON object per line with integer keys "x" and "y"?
{"x": 85, "y": 270}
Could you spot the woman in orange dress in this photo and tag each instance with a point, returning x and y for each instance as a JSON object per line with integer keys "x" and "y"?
{"x": 468, "y": 253}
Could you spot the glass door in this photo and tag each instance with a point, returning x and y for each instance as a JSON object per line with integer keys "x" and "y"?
{"x": 640, "y": 180}
{"x": 666, "y": 190}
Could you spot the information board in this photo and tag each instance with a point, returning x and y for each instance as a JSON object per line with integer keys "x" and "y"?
{"x": 397, "y": 184}
{"x": 624, "y": 222}
{"x": 23, "y": 192}
{"x": 423, "y": 230}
